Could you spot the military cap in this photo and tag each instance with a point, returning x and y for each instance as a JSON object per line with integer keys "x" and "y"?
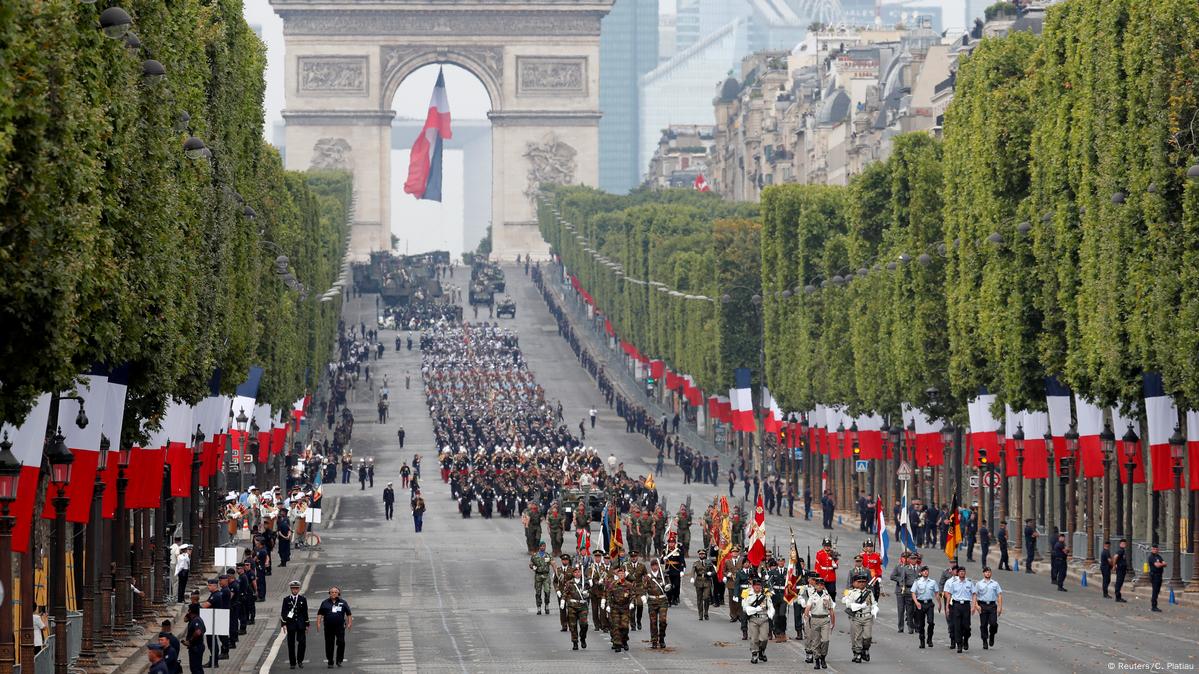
{"x": 294, "y": 583}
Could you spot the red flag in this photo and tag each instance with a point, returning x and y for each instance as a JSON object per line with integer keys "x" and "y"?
{"x": 701, "y": 184}
{"x": 757, "y": 535}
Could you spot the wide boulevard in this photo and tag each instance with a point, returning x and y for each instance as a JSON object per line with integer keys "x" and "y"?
{"x": 458, "y": 597}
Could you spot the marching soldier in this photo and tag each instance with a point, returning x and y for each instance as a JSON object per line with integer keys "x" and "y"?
{"x": 562, "y": 576}
{"x": 540, "y": 564}
{"x": 532, "y": 527}
{"x": 684, "y": 524}
{"x": 873, "y": 562}
{"x": 989, "y": 607}
{"x": 904, "y": 575}
{"x": 555, "y": 522}
{"x": 861, "y": 607}
{"x": 960, "y": 595}
{"x": 826, "y": 565}
{"x": 294, "y": 618}
{"x": 743, "y": 582}
{"x": 597, "y": 577}
{"x": 821, "y": 621}
{"x": 729, "y": 575}
{"x": 776, "y": 582}
{"x": 660, "y": 526}
{"x": 635, "y": 573}
{"x": 702, "y": 575}
{"x": 759, "y": 611}
{"x": 673, "y": 563}
{"x": 804, "y": 595}
{"x": 574, "y": 602}
{"x": 618, "y": 601}
{"x": 656, "y": 599}
{"x": 924, "y": 600}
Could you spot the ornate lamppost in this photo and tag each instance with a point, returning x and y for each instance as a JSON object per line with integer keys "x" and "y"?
{"x": 60, "y": 459}
{"x": 1130, "y": 441}
{"x": 1107, "y": 441}
{"x": 91, "y": 590}
{"x": 1018, "y": 440}
{"x": 10, "y": 474}
{"x": 1177, "y": 446}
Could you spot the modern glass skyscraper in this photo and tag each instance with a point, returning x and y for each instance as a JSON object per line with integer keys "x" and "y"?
{"x": 628, "y": 50}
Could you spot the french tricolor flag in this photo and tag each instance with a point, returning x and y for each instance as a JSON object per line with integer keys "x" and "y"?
{"x": 983, "y": 428}
{"x": 424, "y": 163}
{"x": 774, "y": 416}
{"x": 84, "y": 444}
{"x": 1121, "y": 424}
{"x": 742, "y": 401}
{"x": 27, "y": 441}
{"x": 1090, "y": 447}
{"x": 1161, "y": 417}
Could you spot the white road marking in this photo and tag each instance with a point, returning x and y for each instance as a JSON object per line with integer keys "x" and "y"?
{"x": 441, "y": 606}
{"x": 282, "y": 636}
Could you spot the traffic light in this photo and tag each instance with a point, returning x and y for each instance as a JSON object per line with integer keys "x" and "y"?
{"x": 857, "y": 449}
{"x": 982, "y": 456}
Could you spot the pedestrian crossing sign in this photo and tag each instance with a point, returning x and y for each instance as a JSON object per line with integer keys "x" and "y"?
{"x": 860, "y": 466}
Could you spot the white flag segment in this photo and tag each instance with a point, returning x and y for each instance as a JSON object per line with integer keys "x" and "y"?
{"x": 84, "y": 444}
{"x": 1090, "y": 417}
{"x": 177, "y": 424}
{"x": 262, "y": 417}
{"x": 27, "y": 441}
{"x": 1012, "y": 421}
{"x": 1192, "y": 427}
{"x": 113, "y": 421}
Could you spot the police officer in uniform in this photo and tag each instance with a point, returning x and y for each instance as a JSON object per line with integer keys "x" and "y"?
{"x": 294, "y": 617}
{"x": 193, "y": 638}
{"x": 156, "y": 655}
{"x": 1121, "y": 566}
{"x": 990, "y": 606}
{"x": 217, "y": 598}
{"x": 960, "y": 593}
{"x": 334, "y": 613}
{"x": 1157, "y": 569}
{"x": 924, "y": 600}
{"x": 702, "y": 574}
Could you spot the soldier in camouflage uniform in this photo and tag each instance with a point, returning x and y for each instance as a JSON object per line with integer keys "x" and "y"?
{"x": 539, "y": 562}
{"x": 532, "y": 527}
{"x": 562, "y": 576}
{"x": 646, "y": 530}
{"x": 660, "y": 525}
{"x": 582, "y": 515}
{"x": 635, "y": 573}
{"x": 702, "y": 574}
{"x": 684, "y": 522}
{"x": 732, "y": 564}
{"x": 709, "y": 519}
{"x": 737, "y": 522}
{"x": 597, "y": 577}
{"x": 618, "y": 600}
{"x": 657, "y": 602}
{"x": 555, "y": 521}
{"x": 575, "y": 598}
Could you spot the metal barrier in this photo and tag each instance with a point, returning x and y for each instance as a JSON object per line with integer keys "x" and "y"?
{"x": 43, "y": 662}
{"x": 74, "y": 634}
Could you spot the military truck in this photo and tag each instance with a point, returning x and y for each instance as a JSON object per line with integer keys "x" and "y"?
{"x": 505, "y": 307}
{"x": 594, "y": 499}
{"x": 480, "y": 293}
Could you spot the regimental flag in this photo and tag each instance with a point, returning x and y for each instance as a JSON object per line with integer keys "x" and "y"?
{"x": 791, "y": 589}
{"x": 741, "y": 398}
{"x": 424, "y": 162}
{"x": 724, "y": 542}
{"x": 84, "y": 444}
{"x": 954, "y": 539}
{"x": 583, "y": 542}
{"x": 880, "y": 525}
{"x": 610, "y": 528}
{"x": 1161, "y": 418}
{"x": 757, "y": 535}
{"x": 905, "y": 523}
{"x": 701, "y": 184}
{"x": 27, "y": 441}
{"x": 649, "y": 482}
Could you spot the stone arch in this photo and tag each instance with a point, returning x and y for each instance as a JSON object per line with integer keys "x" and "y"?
{"x": 397, "y": 62}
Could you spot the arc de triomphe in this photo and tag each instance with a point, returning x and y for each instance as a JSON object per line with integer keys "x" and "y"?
{"x": 538, "y": 59}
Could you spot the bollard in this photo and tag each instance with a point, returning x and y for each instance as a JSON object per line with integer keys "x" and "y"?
{"x": 1016, "y": 566}
{"x": 838, "y": 520}
{"x": 1172, "y": 599}
{"x": 1084, "y": 578}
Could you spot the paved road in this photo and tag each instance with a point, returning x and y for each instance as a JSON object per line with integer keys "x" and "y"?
{"x": 457, "y": 598}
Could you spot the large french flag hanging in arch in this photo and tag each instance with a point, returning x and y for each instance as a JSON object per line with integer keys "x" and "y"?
{"x": 424, "y": 163}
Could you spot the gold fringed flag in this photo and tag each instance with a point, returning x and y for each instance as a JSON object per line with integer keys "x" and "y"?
{"x": 954, "y": 538}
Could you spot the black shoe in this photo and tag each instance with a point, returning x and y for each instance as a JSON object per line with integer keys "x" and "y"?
{"x": 291, "y": 667}
{"x": 922, "y": 644}
{"x": 911, "y": 631}
{"x": 538, "y": 611}
{"x": 762, "y": 657}
{"x": 745, "y": 637}
{"x": 985, "y": 647}
{"x": 901, "y": 630}
{"x": 732, "y": 620}
{"x": 966, "y": 646}
{"x": 866, "y": 656}
{"x": 626, "y": 648}
{"x": 753, "y": 658}
{"x": 1156, "y": 609}
{"x": 584, "y": 643}
{"x": 856, "y": 658}
{"x": 1121, "y": 600}
{"x": 1061, "y": 589}
{"x": 564, "y": 629}
{"x": 1106, "y": 596}
{"x": 575, "y": 646}
{"x": 959, "y": 649}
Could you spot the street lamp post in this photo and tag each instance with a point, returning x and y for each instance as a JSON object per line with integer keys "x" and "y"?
{"x": 1018, "y": 439}
{"x": 91, "y": 589}
{"x": 1107, "y": 441}
{"x": 193, "y": 515}
{"x": 1130, "y": 440}
{"x": 1072, "y": 490}
{"x": 1049, "y": 513}
{"x": 120, "y": 550}
{"x": 60, "y": 459}
{"x": 948, "y": 432}
{"x": 1177, "y": 445}
{"x": 10, "y": 474}
{"x": 856, "y": 453}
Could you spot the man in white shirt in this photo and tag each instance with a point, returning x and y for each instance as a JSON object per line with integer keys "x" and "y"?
{"x": 760, "y": 608}
{"x": 183, "y": 567}
{"x": 175, "y": 546}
